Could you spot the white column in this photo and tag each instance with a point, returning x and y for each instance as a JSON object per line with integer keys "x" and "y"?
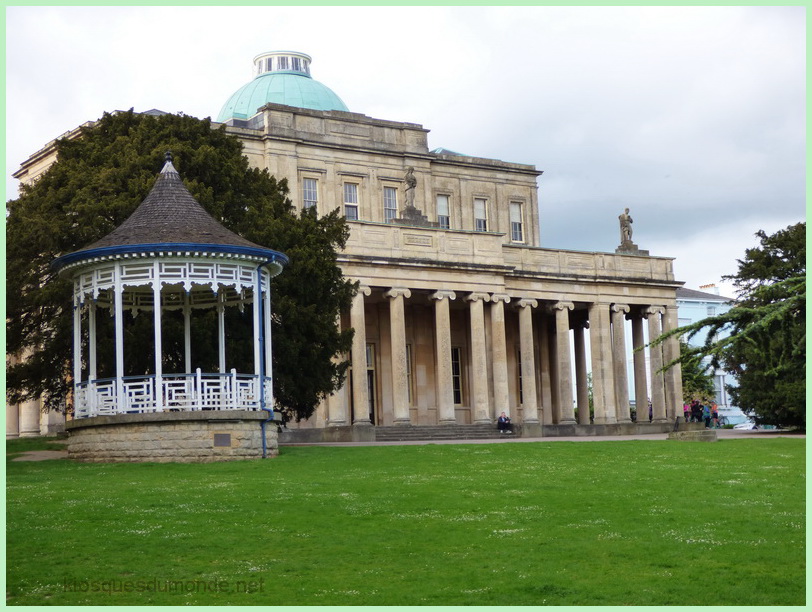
{"x": 443, "y": 373}
{"x": 501, "y": 396}
{"x": 530, "y": 408}
{"x": 268, "y": 348}
{"x": 397, "y": 330}
{"x": 187, "y": 332}
{"x": 156, "y": 314}
{"x": 221, "y": 330}
{"x": 77, "y": 342}
{"x": 581, "y": 382}
{"x": 91, "y": 341}
{"x": 119, "y": 325}
{"x": 479, "y": 363}
{"x": 656, "y": 355}
{"x": 564, "y": 364}
{"x": 257, "y": 319}
{"x": 603, "y": 385}
{"x": 673, "y": 375}
{"x": 360, "y": 395}
{"x": 619, "y": 360}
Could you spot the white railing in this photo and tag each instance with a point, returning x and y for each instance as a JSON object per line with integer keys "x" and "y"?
{"x": 177, "y": 393}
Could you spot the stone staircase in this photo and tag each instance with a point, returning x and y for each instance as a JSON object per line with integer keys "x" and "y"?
{"x": 401, "y": 433}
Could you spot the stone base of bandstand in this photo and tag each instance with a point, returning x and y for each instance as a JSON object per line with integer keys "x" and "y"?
{"x": 167, "y": 437}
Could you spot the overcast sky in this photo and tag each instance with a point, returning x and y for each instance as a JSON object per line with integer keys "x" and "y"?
{"x": 693, "y": 117}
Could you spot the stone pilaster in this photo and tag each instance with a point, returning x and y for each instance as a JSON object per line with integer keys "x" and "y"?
{"x": 501, "y": 396}
{"x": 443, "y": 373}
{"x": 479, "y": 364}
{"x": 581, "y": 382}
{"x": 603, "y": 386}
{"x": 360, "y": 393}
{"x": 530, "y": 409}
{"x": 397, "y": 318}
{"x": 563, "y": 361}
{"x": 656, "y": 356}
{"x": 29, "y": 419}
{"x": 619, "y": 362}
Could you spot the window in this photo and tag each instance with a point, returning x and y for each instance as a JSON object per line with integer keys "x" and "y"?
{"x": 310, "y": 192}
{"x": 297, "y": 63}
{"x": 480, "y": 215}
{"x": 711, "y": 311}
{"x": 281, "y": 63}
{"x": 270, "y": 64}
{"x": 443, "y": 217}
{"x": 390, "y": 204}
{"x": 456, "y": 373}
{"x": 516, "y": 226}
{"x": 371, "y": 382}
{"x": 351, "y": 201}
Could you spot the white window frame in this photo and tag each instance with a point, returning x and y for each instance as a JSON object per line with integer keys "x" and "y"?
{"x": 444, "y": 216}
{"x": 481, "y": 222}
{"x": 516, "y": 221}
{"x": 390, "y": 198}
{"x": 457, "y": 380}
{"x": 313, "y": 201}
{"x": 351, "y": 201}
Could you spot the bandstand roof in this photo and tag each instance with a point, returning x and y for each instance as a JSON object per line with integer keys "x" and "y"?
{"x": 170, "y": 221}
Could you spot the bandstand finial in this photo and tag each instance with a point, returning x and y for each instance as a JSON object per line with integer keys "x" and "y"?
{"x": 168, "y": 156}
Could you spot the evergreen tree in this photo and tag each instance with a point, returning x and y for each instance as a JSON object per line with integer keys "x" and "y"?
{"x": 697, "y": 380}
{"x": 97, "y": 182}
{"x": 762, "y": 339}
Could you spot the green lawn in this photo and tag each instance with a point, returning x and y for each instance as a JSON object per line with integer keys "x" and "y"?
{"x": 557, "y": 523}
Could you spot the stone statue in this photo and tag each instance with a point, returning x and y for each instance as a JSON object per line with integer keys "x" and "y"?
{"x": 625, "y": 227}
{"x": 411, "y": 184}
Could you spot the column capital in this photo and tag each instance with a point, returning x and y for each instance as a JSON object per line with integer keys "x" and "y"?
{"x": 442, "y": 294}
{"x": 525, "y": 302}
{"x": 560, "y": 306}
{"x": 364, "y": 290}
{"x": 654, "y": 310}
{"x": 396, "y": 292}
{"x": 476, "y": 296}
{"x": 500, "y": 297}
{"x": 624, "y": 308}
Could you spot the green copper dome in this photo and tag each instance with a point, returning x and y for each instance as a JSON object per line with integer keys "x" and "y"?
{"x": 282, "y": 77}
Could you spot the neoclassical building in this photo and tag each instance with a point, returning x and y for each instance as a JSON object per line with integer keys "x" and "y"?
{"x": 461, "y": 312}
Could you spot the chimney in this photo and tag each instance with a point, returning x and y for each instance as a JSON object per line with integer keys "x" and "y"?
{"x": 712, "y": 288}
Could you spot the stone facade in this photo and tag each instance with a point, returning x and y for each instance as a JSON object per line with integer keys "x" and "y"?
{"x": 183, "y": 437}
{"x": 461, "y": 314}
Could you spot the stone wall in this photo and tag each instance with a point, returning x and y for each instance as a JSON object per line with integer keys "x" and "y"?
{"x": 184, "y": 437}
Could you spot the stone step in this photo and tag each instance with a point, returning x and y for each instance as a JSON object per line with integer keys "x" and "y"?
{"x": 436, "y": 432}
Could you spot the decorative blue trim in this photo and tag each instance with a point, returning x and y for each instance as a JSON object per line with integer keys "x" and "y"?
{"x": 269, "y": 255}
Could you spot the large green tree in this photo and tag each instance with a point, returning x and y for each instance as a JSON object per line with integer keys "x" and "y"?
{"x": 697, "y": 379}
{"x": 762, "y": 339}
{"x": 97, "y": 182}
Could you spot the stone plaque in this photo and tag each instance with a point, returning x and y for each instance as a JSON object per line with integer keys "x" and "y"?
{"x": 417, "y": 240}
{"x": 222, "y": 439}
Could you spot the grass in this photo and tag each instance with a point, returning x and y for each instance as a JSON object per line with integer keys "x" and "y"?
{"x": 556, "y": 523}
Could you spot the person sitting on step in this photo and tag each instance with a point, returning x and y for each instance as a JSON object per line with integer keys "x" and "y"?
{"x": 503, "y": 423}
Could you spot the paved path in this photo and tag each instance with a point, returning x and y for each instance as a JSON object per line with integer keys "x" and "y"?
{"x": 724, "y": 434}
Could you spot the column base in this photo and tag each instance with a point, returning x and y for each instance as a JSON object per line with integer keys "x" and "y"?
{"x": 568, "y": 421}
{"x": 448, "y": 421}
{"x": 604, "y": 421}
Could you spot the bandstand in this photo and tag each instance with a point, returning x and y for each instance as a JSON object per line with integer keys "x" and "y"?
{"x": 170, "y": 255}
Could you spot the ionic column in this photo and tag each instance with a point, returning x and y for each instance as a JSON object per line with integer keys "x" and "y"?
{"x": 619, "y": 361}
{"x": 656, "y": 356}
{"x": 640, "y": 376}
{"x": 603, "y": 388}
{"x": 673, "y": 375}
{"x": 479, "y": 364}
{"x": 397, "y": 325}
{"x": 530, "y": 408}
{"x": 581, "y": 382}
{"x": 501, "y": 394}
{"x": 563, "y": 362}
{"x": 360, "y": 394}
{"x": 443, "y": 374}
{"x": 30, "y": 418}
{"x": 547, "y": 386}
{"x": 336, "y": 405}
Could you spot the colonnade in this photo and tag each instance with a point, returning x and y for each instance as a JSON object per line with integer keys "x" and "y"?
{"x": 551, "y": 358}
